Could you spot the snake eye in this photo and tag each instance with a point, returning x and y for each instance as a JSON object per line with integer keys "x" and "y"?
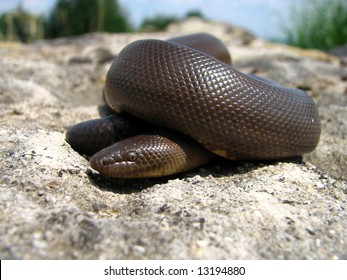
{"x": 131, "y": 156}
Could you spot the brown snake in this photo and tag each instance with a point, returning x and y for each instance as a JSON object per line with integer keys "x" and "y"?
{"x": 187, "y": 86}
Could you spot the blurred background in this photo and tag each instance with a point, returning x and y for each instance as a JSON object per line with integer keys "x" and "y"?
{"x": 319, "y": 24}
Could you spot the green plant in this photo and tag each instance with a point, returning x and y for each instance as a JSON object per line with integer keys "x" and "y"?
{"x": 160, "y": 22}
{"x": 194, "y": 13}
{"x": 319, "y": 24}
{"x": 18, "y": 25}
{"x": 157, "y": 23}
{"x": 74, "y": 17}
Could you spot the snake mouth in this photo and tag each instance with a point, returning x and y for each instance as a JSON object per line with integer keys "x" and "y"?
{"x": 110, "y": 167}
{"x": 122, "y": 168}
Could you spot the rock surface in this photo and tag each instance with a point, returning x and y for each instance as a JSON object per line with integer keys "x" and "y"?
{"x": 53, "y": 206}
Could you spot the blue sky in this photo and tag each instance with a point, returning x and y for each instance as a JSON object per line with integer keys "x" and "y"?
{"x": 265, "y": 18}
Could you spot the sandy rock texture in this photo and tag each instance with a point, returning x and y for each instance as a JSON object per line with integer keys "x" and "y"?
{"x": 53, "y": 206}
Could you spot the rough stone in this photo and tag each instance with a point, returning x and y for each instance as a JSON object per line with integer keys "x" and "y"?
{"x": 53, "y": 206}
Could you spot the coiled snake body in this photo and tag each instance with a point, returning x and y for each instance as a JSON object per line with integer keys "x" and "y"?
{"x": 180, "y": 85}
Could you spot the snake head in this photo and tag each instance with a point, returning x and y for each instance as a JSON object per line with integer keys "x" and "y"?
{"x": 149, "y": 155}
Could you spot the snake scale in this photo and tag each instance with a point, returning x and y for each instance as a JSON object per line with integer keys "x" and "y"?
{"x": 188, "y": 103}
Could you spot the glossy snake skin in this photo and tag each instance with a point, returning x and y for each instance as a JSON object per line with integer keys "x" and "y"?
{"x": 178, "y": 84}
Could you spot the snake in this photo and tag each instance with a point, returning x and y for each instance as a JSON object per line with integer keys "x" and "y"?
{"x": 177, "y": 103}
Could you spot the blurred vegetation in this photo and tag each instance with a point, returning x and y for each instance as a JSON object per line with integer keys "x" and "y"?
{"x": 18, "y": 25}
{"x": 75, "y": 17}
{"x": 67, "y": 18}
{"x": 195, "y": 13}
{"x": 161, "y": 21}
{"x": 157, "y": 23}
{"x": 318, "y": 24}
